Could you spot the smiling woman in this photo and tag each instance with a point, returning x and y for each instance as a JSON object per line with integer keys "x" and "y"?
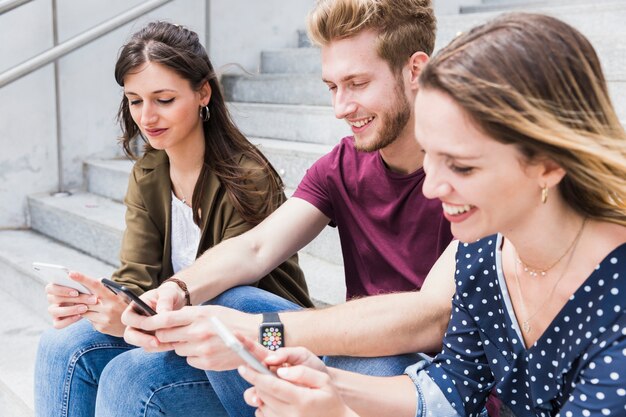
{"x": 198, "y": 183}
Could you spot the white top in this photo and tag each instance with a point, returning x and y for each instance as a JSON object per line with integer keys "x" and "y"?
{"x": 185, "y": 235}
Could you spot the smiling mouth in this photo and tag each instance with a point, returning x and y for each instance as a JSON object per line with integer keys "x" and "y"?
{"x": 455, "y": 210}
{"x": 361, "y": 123}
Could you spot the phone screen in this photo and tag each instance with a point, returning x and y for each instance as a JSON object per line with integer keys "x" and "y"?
{"x": 235, "y": 345}
{"x": 138, "y": 304}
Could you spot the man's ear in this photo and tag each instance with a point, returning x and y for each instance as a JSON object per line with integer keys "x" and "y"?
{"x": 416, "y": 63}
{"x": 205, "y": 93}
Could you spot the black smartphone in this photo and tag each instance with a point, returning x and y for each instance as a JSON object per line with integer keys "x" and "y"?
{"x": 138, "y": 304}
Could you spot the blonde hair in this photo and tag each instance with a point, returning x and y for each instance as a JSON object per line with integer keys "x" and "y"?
{"x": 404, "y": 26}
{"x": 535, "y": 82}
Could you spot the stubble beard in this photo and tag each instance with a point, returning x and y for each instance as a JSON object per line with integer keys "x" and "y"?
{"x": 392, "y": 122}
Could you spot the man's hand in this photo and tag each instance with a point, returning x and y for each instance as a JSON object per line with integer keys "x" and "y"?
{"x": 190, "y": 333}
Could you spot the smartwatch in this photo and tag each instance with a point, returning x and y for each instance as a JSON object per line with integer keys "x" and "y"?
{"x": 272, "y": 332}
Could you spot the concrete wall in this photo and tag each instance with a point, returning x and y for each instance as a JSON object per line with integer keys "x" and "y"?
{"x": 444, "y": 7}
{"x": 241, "y": 29}
{"x": 89, "y": 96}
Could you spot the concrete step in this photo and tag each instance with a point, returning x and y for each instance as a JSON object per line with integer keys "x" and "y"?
{"x": 94, "y": 225}
{"x": 20, "y": 248}
{"x": 107, "y": 177}
{"x": 20, "y": 331}
{"x": 592, "y": 18}
{"x": 291, "y": 159}
{"x": 303, "y": 39}
{"x": 276, "y": 89}
{"x": 292, "y": 60}
{"x": 325, "y": 280}
{"x": 313, "y": 124}
{"x": 497, "y": 5}
{"x": 87, "y": 222}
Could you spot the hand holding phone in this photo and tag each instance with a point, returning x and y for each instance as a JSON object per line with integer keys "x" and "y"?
{"x": 58, "y": 274}
{"x": 138, "y": 304}
{"x": 236, "y": 346}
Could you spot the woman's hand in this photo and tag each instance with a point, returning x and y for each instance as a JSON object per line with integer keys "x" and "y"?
{"x": 299, "y": 390}
{"x": 66, "y": 305}
{"x": 303, "y": 387}
{"x": 102, "y": 308}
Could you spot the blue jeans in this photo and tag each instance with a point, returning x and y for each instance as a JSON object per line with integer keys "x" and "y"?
{"x": 81, "y": 372}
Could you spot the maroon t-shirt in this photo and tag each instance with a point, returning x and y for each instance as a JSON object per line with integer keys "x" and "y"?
{"x": 391, "y": 235}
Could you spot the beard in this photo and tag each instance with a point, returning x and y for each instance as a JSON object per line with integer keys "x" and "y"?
{"x": 393, "y": 122}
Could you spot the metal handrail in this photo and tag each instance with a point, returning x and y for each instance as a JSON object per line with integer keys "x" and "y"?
{"x": 77, "y": 41}
{"x": 8, "y": 5}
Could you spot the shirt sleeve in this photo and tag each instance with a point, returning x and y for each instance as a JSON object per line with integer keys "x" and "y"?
{"x": 600, "y": 388}
{"x": 142, "y": 244}
{"x": 314, "y": 186}
{"x": 459, "y": 379}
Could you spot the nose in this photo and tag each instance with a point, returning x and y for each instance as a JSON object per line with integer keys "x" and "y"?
{"x": 343, "y": 104}
{"x": 435, "y": 185}
{"x": 149, "y": 115}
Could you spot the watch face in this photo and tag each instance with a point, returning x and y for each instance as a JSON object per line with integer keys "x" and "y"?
{"x": 272, "y": 337}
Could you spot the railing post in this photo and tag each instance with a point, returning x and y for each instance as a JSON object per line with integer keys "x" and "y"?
{"x": 57, "y": 103}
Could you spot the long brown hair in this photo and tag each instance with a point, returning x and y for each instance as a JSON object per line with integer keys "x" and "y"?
{"x": 535, "y": 82}
{"x": 179, "y": 49}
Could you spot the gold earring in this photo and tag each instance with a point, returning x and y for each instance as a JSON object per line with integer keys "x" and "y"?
{"x": 544, "y": 194}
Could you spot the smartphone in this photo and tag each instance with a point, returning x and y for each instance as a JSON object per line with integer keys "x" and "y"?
{"x": 138, "y": 304}
{"x": 235, "y": 345}
{"x": 57, "y": 274}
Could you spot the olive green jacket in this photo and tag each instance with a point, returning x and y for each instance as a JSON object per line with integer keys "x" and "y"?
{"x": 146, "y": 258}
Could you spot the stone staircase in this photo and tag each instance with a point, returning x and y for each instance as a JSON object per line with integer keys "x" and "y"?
{"x": 286, "y": 111}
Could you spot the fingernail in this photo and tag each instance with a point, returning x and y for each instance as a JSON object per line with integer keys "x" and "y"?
{"x": 92, "y": 300}
{"x": 242, "y": 370}
{"x": 73, "y": 293}
{"x": 82, "y": 309}
{"x": 283, "y": 372}
{"x": 154, "y": 343}
{"x": 255, "y": 400}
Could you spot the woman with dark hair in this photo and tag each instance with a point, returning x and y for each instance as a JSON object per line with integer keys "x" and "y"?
{"x": 199, "y": 182}
{"x": 528, "y": 157}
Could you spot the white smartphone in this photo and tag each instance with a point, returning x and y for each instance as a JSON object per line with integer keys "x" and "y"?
{"x": 57, "y": 274}
{"x": 235, "y": 345}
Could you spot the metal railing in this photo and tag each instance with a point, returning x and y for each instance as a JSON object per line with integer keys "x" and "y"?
{"x": 78, "y": 41}
{"x": 58, "y": 50}
{"x": 8, "y": 5}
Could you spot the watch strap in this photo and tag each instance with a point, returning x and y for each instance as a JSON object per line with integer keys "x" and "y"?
{"x": 182, "y": 286}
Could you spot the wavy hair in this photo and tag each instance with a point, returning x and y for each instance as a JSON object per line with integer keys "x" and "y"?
{"x": 535, "y": 82}
{"x": 179, "y": 49}
{"x": 404, "y": 26}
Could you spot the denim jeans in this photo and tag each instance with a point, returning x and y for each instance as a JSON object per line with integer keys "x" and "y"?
{"x": 81, "y": 372}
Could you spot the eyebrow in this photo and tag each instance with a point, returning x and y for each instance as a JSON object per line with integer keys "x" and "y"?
{"x": 347, "y": 77}
{"x": 461, "y": 157}
{"x": 163, "y": 90}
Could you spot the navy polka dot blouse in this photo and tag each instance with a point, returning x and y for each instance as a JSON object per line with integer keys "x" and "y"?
{"x": 576, "y": 368}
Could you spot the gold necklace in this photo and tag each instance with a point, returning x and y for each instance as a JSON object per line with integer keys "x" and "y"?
{"x": 534, "y": 271}
{"x": 182, "y": 193}
{"x": 526, "y": 327}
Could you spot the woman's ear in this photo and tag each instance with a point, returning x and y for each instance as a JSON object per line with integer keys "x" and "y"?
{"x": 551, "y": 173}
{"x": 205, "y": 93}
